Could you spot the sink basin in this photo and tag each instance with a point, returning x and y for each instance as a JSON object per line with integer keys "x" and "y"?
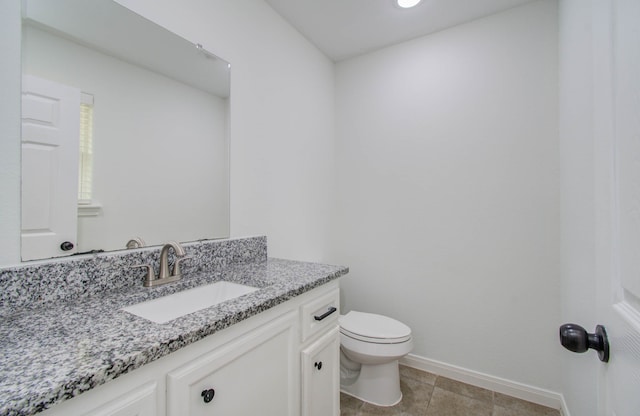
{"x": 174, "y": 306}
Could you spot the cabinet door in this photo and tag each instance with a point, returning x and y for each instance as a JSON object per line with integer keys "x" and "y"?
{"x": 252, "y": 375}
{"x": 321, "y": 376}
{"x": 139, "y": 401}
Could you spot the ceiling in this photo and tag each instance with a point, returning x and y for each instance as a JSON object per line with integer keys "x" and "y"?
{"x": 90, "y": 23}
{"x": 346, "y": 28}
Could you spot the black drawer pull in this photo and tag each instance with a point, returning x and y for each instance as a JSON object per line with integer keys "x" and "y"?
{"x": 318, "y": 365}
{"x": 324, "y": 315}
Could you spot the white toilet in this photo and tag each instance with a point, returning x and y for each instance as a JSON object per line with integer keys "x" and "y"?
{"x": 370, "y": 347}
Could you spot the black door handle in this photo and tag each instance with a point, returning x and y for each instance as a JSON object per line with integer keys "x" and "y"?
{"x": 575, "y": 338}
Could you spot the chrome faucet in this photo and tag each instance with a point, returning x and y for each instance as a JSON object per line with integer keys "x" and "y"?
{"x": 164, "y": 276}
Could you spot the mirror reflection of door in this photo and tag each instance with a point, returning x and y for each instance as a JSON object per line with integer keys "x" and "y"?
{"x": 50, "y": 148}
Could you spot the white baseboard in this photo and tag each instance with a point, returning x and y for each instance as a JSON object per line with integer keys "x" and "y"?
{"x": 564, "y": 410}
{"x": 511, "y": 388}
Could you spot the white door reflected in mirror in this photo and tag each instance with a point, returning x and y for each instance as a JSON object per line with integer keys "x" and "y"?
{"x": 50, "y": 147}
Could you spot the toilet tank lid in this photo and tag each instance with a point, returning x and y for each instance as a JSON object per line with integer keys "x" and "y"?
{"x": 373, "y": 326}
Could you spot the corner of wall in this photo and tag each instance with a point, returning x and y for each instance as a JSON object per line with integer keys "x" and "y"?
{"x": 10, "y": 132}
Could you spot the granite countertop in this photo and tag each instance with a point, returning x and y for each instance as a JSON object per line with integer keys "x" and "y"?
{"x": 55, "y": 352}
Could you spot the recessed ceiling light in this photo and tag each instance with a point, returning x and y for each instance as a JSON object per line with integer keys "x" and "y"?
{"x": 405, "y": 4}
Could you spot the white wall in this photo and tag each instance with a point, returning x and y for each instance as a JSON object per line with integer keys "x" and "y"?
{"x": 281, "y": 121}
{"x": 448, "y": 192}
{"x": 169, "y": 169}
{"x": 282, "y": 104}
{"x": 10, "y": 132}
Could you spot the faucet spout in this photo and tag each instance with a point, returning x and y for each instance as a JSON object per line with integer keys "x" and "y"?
{"x": 165, "y": 276}
{"x": 164, "y": 258}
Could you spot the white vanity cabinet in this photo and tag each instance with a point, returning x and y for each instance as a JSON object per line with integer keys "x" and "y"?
{"x": 140, "y": 401}
{"x": 321, "y": 376}
{"x": 253, "y": 375}
{"x": 320, "y": 355}
{"x": 264, "y": 365}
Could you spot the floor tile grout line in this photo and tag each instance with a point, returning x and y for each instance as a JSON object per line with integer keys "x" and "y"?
{"x": 421, "y": 381}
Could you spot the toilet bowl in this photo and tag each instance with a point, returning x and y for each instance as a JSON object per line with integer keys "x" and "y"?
{"x": 370, "y": 347}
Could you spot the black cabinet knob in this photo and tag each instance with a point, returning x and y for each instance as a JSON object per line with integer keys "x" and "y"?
{"x": 575, "y": 338}
{"x": 207, "y": 395}
{"x": 66, "y": 246}
{"x": 318, "y": 365}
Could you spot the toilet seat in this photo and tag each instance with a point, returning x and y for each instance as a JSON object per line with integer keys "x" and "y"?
{"x": 378, "y": 329}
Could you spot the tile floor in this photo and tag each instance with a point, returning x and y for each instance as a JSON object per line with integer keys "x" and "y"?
{"x": 425, "y": 394}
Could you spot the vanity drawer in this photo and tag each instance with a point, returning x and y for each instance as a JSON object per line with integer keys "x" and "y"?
{"x": 320, "y": 314}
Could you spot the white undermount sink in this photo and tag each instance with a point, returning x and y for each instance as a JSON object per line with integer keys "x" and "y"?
{"x": 174, "y": 306}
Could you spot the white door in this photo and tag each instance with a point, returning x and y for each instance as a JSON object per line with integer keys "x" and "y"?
{"x": 617, "y": 173}
{"x": 50, "y": 148}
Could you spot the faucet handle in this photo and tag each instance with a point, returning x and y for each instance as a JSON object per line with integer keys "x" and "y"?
{"x": 150, "y": 275}
{"x": 176, "y": 265}
{"x": 136, "y": 242}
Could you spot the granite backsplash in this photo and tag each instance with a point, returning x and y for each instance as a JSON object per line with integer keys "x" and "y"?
{"x": 37, "y": 283}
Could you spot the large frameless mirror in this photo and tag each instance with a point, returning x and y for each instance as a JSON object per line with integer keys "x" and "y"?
{"x": 125, "y": 136}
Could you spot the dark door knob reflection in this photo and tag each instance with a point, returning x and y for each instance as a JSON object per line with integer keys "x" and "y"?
{"x": 66, "y": 246}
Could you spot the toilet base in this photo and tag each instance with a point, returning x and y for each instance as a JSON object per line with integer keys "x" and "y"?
{"x": 377, "y": 384}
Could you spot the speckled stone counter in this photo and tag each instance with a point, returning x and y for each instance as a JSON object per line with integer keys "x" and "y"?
{"x": 41, "y": 282}
{"x": 54, "y": 351}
